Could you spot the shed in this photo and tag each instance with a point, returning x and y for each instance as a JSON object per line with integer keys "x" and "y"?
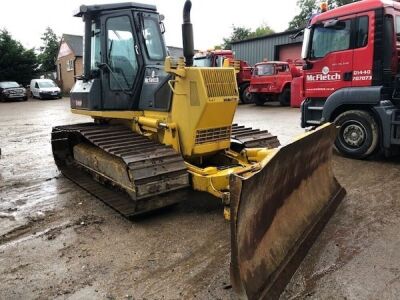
{"x": 276, "y": 46}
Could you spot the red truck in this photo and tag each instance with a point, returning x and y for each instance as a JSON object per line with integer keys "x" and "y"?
{"x": 271, "y": 81}
{"x": 351, "y": 76}
{"x": 215, "y": 58}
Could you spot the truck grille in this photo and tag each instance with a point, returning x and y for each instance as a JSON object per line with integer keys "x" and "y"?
{"x": 220, "y": 82}
{"x": 213, "y": 135}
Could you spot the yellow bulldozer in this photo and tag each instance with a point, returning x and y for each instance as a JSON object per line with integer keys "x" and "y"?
{"x": 162, "y": 127}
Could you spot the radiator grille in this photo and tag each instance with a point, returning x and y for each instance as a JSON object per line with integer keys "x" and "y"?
{"x": 220, "y": 82}
{"x": 213, "y": 134}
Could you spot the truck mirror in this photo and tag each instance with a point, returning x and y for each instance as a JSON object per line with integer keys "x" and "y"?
{"x": 306, "y": 43}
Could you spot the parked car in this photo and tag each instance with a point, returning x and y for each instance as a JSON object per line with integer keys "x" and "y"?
{"x": 11, "y": 90}
{"x": 45, "y": 89}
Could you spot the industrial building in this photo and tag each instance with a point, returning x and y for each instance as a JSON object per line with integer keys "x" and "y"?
{"x": 277, "y": 46}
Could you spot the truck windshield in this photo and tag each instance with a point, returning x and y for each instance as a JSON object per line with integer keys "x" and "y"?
{"x": 330, "y": 39}
{"x": 202, "y": 61}
{"x": 266, "y": 69}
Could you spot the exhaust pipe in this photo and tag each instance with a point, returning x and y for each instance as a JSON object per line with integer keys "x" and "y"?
{"x": 187, "y": 35}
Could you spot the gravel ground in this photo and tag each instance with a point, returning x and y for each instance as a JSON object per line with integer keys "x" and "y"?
{"x": 57, "y": 241}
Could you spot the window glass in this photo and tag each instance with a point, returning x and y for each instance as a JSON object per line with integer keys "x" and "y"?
{"x": 47, "y": 84}
{"x": 362, "y": 32}
{"x": 398, "y": 28}
{"x": 36, "y": 85}
{"x": 121, "y": 54}
{"x": 95, "y": 53}
{"x": 267, "y": 69}
{"x": 282, "y": 68}
{"x": 204, "y": 61}
{"x": 330, "y": 39}
{"x": 8, "y": 84}
{"x": 153, "y": 39}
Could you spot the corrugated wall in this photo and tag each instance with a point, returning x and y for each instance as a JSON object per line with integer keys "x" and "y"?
{"x": 257, "y": 50}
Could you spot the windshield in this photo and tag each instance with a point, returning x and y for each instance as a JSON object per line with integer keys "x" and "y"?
{"x": 153, "y": 38}
{"x": 9, "y": 84}
{"x": 203, "y": 61}
{"x": 330, "y": 39}
{"x": 266, "y": 69}
{"x": 46, "y": 84}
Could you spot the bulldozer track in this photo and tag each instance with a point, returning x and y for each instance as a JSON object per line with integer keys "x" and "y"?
{"x": 254, "y": 138}
{"x": 156, "y": 169}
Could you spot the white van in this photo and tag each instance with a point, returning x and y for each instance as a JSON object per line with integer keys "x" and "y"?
{"x": 44, "y": 89}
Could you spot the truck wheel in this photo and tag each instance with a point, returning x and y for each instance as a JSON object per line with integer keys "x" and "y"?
{"x": 284, "y": 97}
{"x": 358, "y": 134}
{"x": 259, "y": 99}
{"x": 245, "y": 95}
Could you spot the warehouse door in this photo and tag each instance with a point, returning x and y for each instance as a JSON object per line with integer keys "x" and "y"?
{"x": 289, "y": 51}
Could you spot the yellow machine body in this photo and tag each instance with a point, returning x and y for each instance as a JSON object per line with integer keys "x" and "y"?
{"x": 197, "y": 126}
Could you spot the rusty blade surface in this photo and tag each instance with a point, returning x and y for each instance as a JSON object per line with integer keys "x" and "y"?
{"x": 277, "y": 213}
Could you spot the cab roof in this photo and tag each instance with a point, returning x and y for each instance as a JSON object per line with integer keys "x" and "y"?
{"x": 272, "y": 62}
{"x": 98, "y": 8}
{"x": 353, "y": 8}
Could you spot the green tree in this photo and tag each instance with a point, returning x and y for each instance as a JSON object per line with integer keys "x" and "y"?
{"x": 16, "y": 63}
{"x": 48, "y": 51}
{"x": 262, "y": 30}
{"x": 242, "y": 33}
{"x": 238, "y": 34}
{"x": 308, "y": 7}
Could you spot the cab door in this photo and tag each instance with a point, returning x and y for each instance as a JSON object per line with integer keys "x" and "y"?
{"x": 121, "y": 78}
{"x": 331, "y": 57}
{"x": 363, "y": 50}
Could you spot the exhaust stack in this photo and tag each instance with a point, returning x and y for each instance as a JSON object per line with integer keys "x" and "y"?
{"x": 187, "y": 35}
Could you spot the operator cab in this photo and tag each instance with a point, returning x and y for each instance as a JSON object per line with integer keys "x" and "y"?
{"x": 124, "y": 59}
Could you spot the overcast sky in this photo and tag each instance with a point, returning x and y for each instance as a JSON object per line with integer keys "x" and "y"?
{"x": 26, "y": 20}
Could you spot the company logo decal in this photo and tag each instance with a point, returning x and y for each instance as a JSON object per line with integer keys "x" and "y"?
{"x": 334, "y": 76}
{"x": 153, "y": 78}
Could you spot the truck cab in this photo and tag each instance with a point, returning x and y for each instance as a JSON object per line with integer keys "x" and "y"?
{"x": 351, "y": 76}
{"x": 270, "y": 81}
{"x": 216, "y": 58}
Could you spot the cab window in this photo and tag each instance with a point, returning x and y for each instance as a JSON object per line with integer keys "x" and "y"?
{"x": 153, "y": 38}
{"x": 121, "y": 55}
{"x": 362, "y": 32}
{"x": 267, "y": 69}
{"x": 398, "y": 28}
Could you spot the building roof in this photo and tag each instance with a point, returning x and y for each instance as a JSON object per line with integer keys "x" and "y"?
{"x": 273, "y": 35}
{"x": 75, "y": 43}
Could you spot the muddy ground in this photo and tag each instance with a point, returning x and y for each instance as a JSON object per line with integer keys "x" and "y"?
{"x": 57, "y": 241}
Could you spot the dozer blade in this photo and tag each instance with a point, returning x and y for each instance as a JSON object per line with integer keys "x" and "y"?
{"x": 278, "y": 212}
